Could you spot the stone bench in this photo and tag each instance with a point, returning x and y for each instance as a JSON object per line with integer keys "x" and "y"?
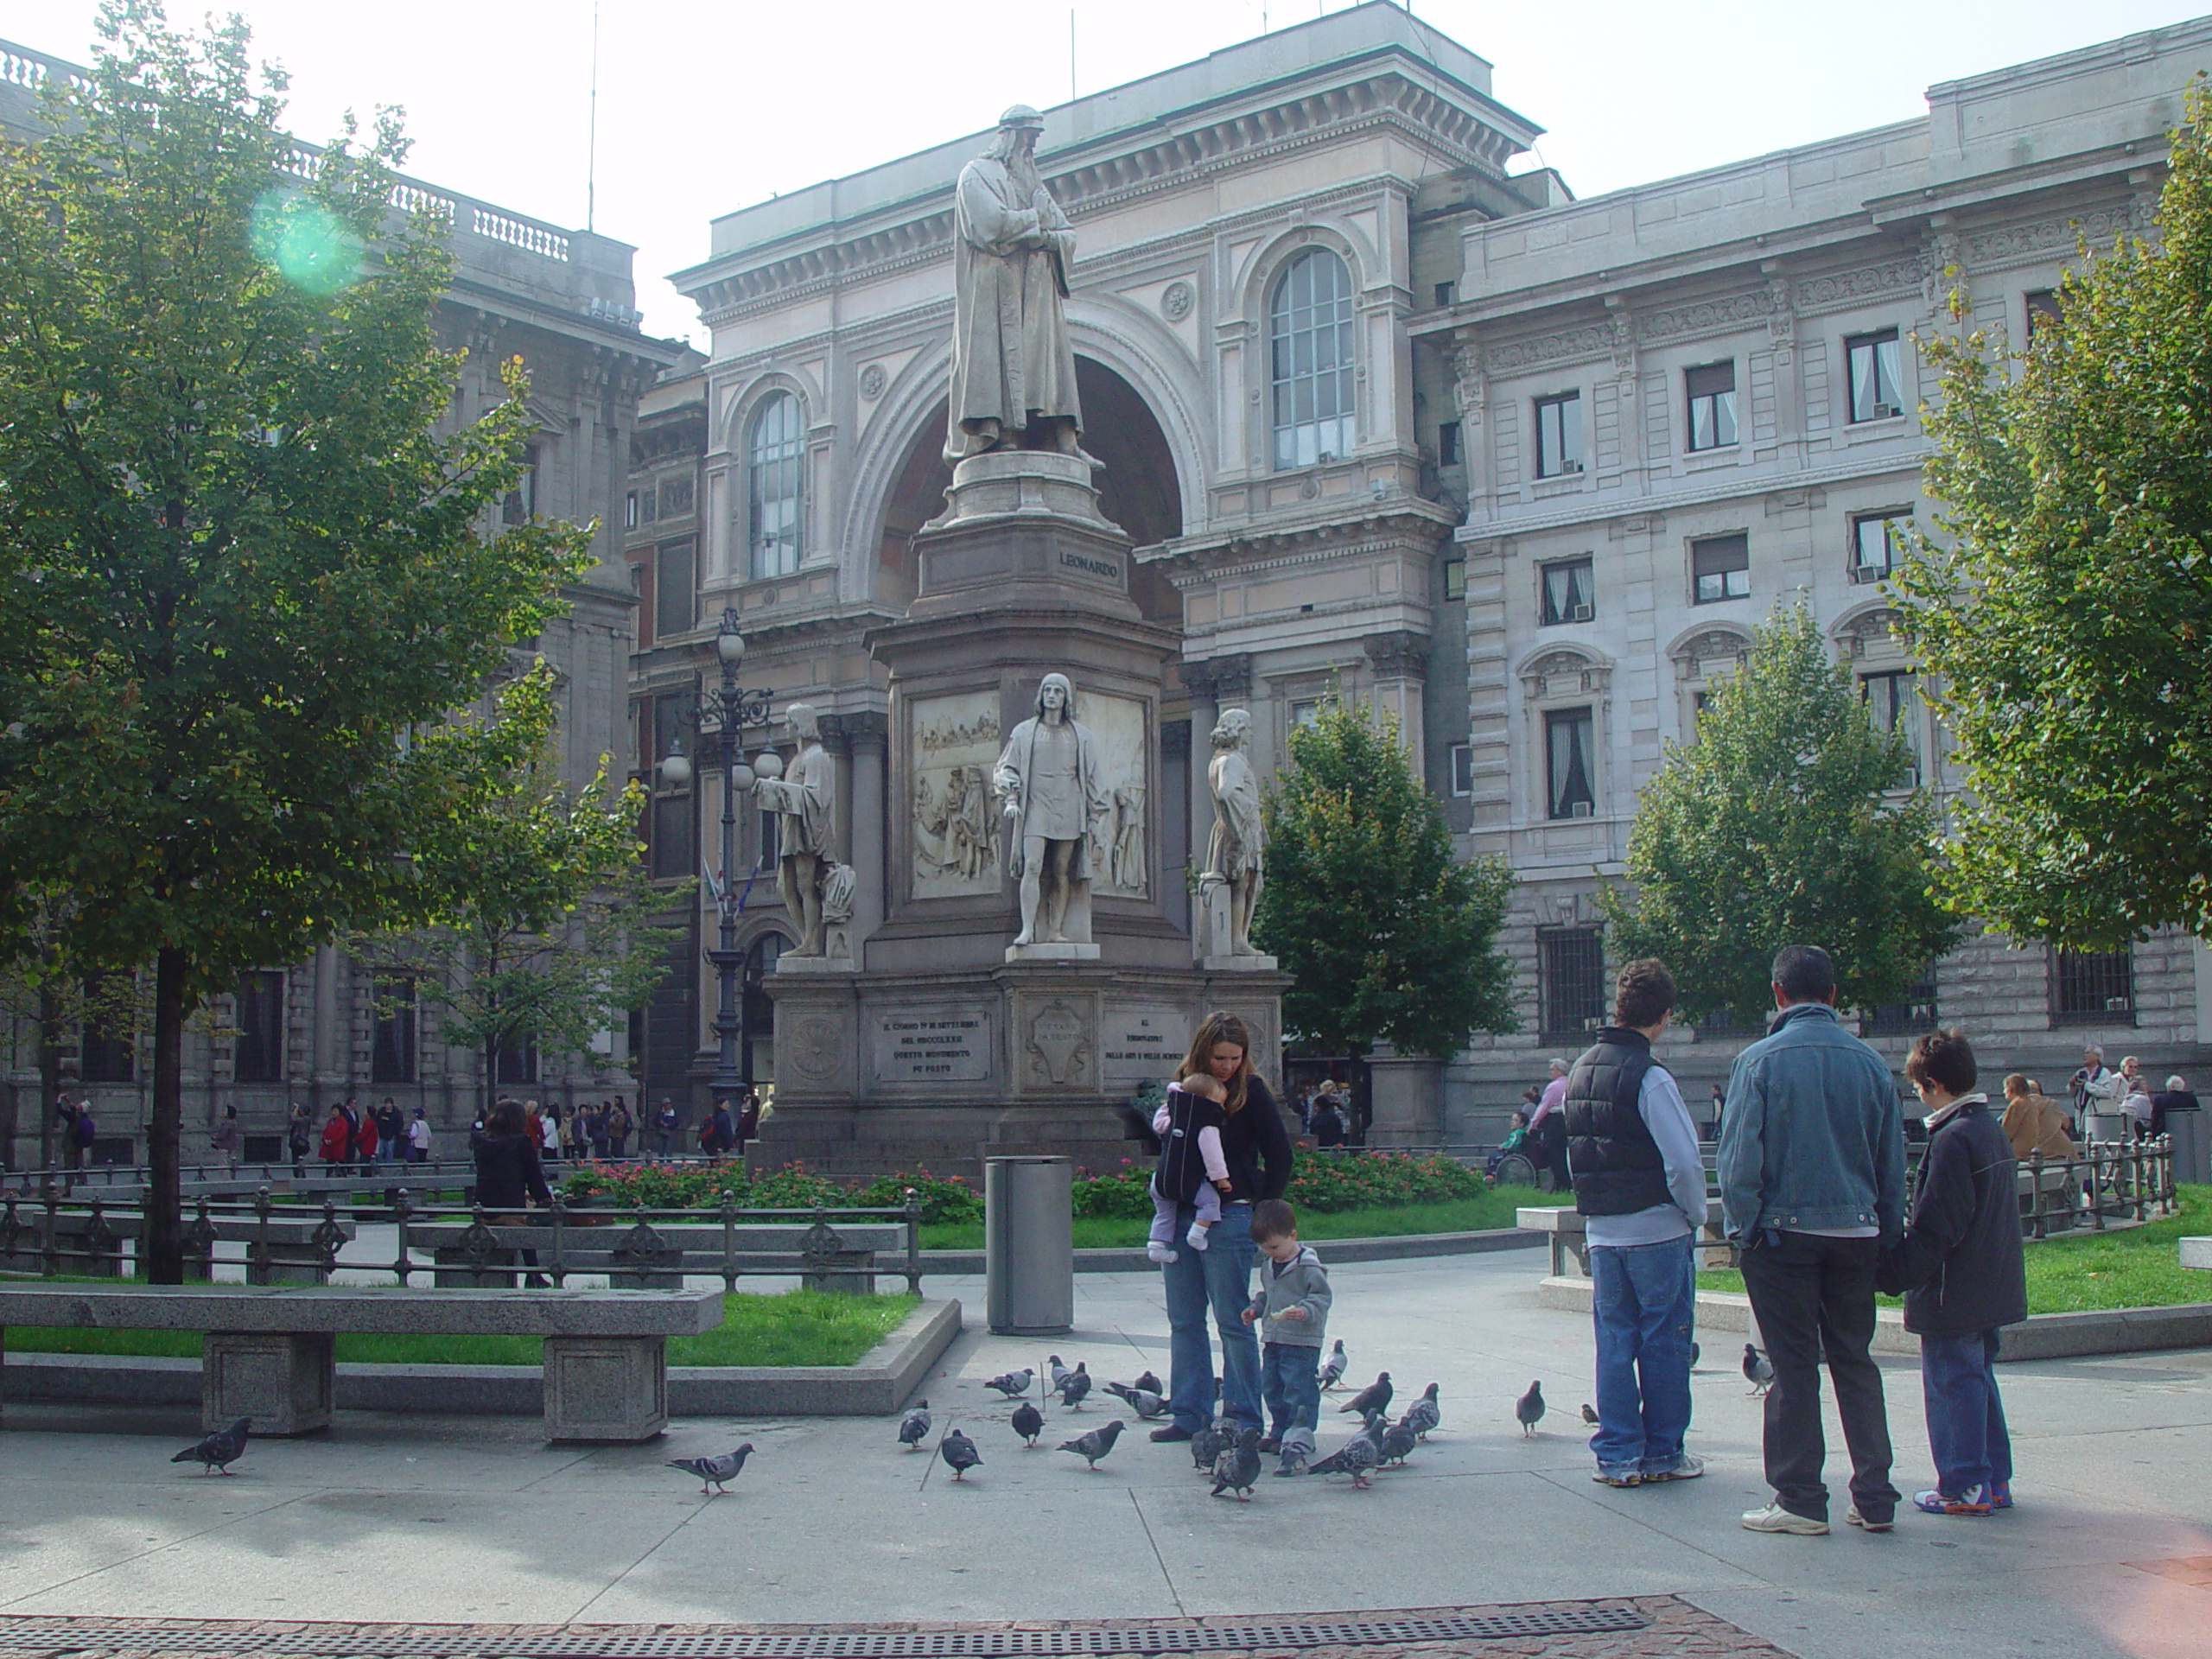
{"x": 2197, "y": 1252}
{"x": 660, "y": 1259}
{"x": 268, "y": 1352}
{"x": 295, "y": 1245}
{"x": 1564, "y": 1231}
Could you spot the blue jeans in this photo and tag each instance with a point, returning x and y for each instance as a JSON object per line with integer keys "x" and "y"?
{"x": 1219, "y": 1277}
{"x": 1290, "y": 1382}
{"x": 1965, "y": 1419}
{"x": 1643, "y": 1305}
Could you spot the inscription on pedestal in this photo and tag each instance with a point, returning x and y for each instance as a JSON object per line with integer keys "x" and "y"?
{"x": 937, "y": 1046}
{"x": 1143, "y": 1045}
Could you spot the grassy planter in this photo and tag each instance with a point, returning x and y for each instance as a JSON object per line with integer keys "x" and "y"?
{"x": 1493, "y": 1207}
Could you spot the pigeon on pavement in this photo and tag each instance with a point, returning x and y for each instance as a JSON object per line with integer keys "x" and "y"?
{"x": 1150, "y": 1383}
{"x": 1589, "y": 1415}
{"x": 1398, "y": 1442}
{"x": 1209, "y": 1443}
{"x": 1055, "y": 1369}
{"x": 1297, "y": 1448}
{"x": 1424, "y": 1414}
{"x": 1375, "y": 1396}
{"x": 1073, "y": 1386}
{"x": 1758, "y": 1371}
{"x": 959, "y": 1452}
{"x": 1238, "y": 1467}
{"x": 1028, "y": 1422}
{"x": 1144, "y": 1402}
{"x": 1094, "y": 1445}
{"x": 914, "y": 1427}
{"x": 717, "y": 1470}
{"x": 1530, "y": 1408}
{"x": 1013, "y": 1384}
{"x": 1332, "y": 1368}
{"x": 1358, "y": 1456}
{"x": 219, "y": 1451}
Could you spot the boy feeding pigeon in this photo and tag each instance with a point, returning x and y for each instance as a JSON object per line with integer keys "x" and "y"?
{"x": 1293, "y": 1310}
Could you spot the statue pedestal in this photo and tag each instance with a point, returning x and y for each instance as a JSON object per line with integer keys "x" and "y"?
{"x": 1058, "y": 950}
{"x": 1252, "y": 964}
{"x": 788, "y": 963}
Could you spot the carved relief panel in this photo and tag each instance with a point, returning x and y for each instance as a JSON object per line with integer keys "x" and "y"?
{"x": 954, "y": 742}
{"x": 1120, "y": 841}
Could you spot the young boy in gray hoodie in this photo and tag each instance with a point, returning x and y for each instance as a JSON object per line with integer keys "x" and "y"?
{"x": 1291, "y": 1311}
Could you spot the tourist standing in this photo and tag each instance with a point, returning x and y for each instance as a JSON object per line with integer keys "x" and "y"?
{"x": 298, "y": 1131}
{"x": 1218, "y": 1279}
{"x": 595, "y": 1130}
{"x": 223, "y": 1139}
{"x": 2093, "y": 1090}
{"x": 722, "y": 1131}
{"x": 510, "y": 1175}
{"x": 337, "y": 1145}
{"x": 1963, "y": 1277}
{"x": 1811, "y": 1169}
{"x": 618, "y": 1129}
{"x": 1639, "y": 1185}
{"x": 748, "y": 1120}
{"x": 418, "y": 1138}
{"x": 392, "y": 1130}
{"x": 665, "y": 1124}
{"x": 1546, "y": 1130}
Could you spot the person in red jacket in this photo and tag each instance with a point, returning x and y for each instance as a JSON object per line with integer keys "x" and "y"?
{"x": 336, "y": 1146}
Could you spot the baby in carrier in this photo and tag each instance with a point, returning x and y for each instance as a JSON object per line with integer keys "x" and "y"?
{"x": 1192, "y": 1169}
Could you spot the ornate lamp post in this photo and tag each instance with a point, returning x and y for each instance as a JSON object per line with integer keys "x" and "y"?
{"x": 722, "y": 713}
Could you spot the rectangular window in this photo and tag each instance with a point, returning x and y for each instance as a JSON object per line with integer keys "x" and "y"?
{"x": 2093, "y": 988}
{"x": 1446, "y": 292}
{"x": 630, "y": 510}
{"x": 517, "y": 1061}
{"x": 671, "y": 837}
{"x": 1914, "y": 1012}
{"x": 1720, "y": 566}
{"x": 1559, "y": 436}
{"x": 1875, "y": 539}
{"x": 106, "y": 1049}
{"x": 1874, "y": 380}
{"x": 675, "y": 497}
{"x": 1712, "y": 406}
{"x": 1569, "y": 763}
{"x": 391, "y": 1055}
{"x": 1571, "y": 965}
{"x": 2043, "y": 313}
{"x": 1455, "y": 580}
{"x": 675, "y": 596}
{"x": 1305, "y": 712}
{"x": 259, "y": 1054}
{"x": 1568, "y": 593}
{"x": 1447, "y": 444}
{"x": 1890, "y": 700}
{"x": 521, "y": 504}
{"x": 1462, "y": 768}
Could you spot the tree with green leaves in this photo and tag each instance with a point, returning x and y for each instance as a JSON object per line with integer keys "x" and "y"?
{"x": 243, "y": 556}
{"x": 548, "y": 928}
{"x": 2066, "y": 596}
{"x": 1386, "y": 935}
{"x": 1791, "y": 819}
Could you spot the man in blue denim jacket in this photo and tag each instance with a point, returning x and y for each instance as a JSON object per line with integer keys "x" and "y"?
{"x": 1811, "y": 1170}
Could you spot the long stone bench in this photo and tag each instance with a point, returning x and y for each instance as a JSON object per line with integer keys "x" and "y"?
{"x": 1564, "y": 1231}
{"x": 268, "y": 1352}
{"x": 660, "y": 1260}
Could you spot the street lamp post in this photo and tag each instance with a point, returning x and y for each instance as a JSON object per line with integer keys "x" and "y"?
{"x": 722, "y": 713}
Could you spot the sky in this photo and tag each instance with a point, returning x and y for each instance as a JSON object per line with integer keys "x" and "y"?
{"x": 705, "y": 108}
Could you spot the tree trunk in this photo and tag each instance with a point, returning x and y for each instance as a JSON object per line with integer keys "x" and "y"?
{"x": 50, "y": 1073}
{"x": 164, "y": 1239}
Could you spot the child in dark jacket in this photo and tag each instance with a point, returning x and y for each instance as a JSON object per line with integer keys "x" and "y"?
{"x": 1961, "y": 1268}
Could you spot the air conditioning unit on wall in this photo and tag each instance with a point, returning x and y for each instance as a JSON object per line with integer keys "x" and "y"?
{"x": 1579, "y": 809}
{"x": 1581, "y": 614}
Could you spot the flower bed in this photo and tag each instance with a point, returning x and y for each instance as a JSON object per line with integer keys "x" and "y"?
{"x": 1321, "y": 1184}
{"x": 701, "y": 1187}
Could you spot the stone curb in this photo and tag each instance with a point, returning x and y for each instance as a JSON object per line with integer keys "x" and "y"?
{"x": 878, "y": 1386}
{"x": 1336, "y": 1252}
{"x": 2044, "y": 1335}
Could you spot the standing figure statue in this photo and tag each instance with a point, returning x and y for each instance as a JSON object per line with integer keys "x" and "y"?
{"x": 804, "y": 800}
{"x": 1233, "y": 850}
{"x": 1047, "y": 780}
{"x": 1012, "y": 364}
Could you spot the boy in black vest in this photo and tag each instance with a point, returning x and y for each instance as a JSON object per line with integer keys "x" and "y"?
{"x": 1640, "y": 1185}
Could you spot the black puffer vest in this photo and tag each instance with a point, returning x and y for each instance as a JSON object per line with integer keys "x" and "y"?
{"x": 1616, "y": 1163}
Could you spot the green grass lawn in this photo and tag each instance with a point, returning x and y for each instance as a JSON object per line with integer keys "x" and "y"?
{"x": 800, "y": 1327}
{"x": 1493, "y": 1209}
{"x": 2139, "y": 1268}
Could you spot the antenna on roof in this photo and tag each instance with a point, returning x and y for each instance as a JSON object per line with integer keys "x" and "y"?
{"x": 591, "y": 140}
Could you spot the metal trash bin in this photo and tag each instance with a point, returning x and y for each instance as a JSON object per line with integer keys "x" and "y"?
{"x": 2192, "y": 1140}
{"x": 1029, "y": 1246}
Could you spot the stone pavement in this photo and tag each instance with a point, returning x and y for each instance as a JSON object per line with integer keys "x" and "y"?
{"x": 474, "y": 1520}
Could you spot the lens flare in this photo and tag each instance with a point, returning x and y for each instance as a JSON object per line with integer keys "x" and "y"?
{"x": 306, "y": 244}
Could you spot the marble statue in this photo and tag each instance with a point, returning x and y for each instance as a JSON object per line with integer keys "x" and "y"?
{"x": 1233, "y": 850}
{"x": 1051, "y": 799}
{"x": 838, "y": 884}
{"x": 1012, "y": 364}
{"x": 804, "y": 800}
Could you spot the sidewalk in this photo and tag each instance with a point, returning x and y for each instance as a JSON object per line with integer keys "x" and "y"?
{"x": 475, "y": 1520}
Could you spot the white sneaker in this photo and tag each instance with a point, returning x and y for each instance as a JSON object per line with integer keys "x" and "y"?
{"x": 1196, "y": 1238}
{"x": 1688, "y": 1468}
{"x": 1775, "y": 1518}
{"x": 1158, "y": 1253}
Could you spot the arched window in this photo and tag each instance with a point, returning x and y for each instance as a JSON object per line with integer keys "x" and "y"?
{"x": 774, "y": 450}
{"x": 1309, "y": 332}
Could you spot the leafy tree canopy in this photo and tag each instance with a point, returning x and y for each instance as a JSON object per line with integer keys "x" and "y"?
{"x": 1388, "y": 938}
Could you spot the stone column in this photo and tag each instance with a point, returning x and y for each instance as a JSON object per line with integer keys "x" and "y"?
{"x": 1175, "y": 848}
{"x": 327, "y": 1046}
{"x": 1401, "y": 665}
{"x": 868, "y": 737}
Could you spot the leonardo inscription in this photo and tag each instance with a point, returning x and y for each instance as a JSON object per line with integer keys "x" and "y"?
{"x": 943, "y": 1045}
{"x": 1108, "y": 568}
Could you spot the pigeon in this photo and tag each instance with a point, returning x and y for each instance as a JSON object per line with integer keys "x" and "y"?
{"x": 1529, "y": 1408}
{"x": 1398, "y": 1442}
{"x": 1028, "y": 1422}
{"x": 1094, "y": 1445}
{"x": 1013, "y": 1384}
{"x": 1146, "y": 1402}
{"x": 717, "y": 1470}
{"x": 914, "y": 1427}
{"x": 1238, "y": 1467}
{"x": 220, "y": 1450}
{"x": 1424, "y": 1414}
{"x": 1375, "y": 1396}
{"x": 1358, "y": 1456}
{"x": 1151, "y": 1383}
{"x": 1588, "y": 1414}
{"x": 959, "y": 1452}
{"x": 1297, "y": 1448}
{"x": 1332, "y": 1368}
{"x": 1056, "y": 1370}
{"x": 1073, "y": 1386}
{"x": 1758, "y": 1371}
{"x": 1209, "y": 1443}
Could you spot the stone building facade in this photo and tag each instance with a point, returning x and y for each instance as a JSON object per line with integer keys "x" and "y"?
{"x": 565, "y": 302}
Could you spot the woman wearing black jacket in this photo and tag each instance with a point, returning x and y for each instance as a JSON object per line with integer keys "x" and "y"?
{"x": 510, "y": 1175}
{"x": 1256, "y": 1149}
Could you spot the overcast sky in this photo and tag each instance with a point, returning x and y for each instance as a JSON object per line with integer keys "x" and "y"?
{"x": 703, "y": 108}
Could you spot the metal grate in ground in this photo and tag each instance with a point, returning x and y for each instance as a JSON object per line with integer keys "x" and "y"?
{"x": 58, "y": 1637}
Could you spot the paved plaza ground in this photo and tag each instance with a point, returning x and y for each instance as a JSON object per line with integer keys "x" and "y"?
{"x": 474, "y": 1520}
